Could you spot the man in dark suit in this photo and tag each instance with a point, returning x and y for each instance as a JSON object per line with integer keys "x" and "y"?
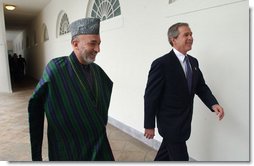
{"x": 173, "y": 81}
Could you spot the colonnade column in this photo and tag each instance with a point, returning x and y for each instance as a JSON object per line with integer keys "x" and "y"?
{"x": 5, "y": 80}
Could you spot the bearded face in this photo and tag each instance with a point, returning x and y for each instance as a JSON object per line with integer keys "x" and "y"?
{"x": 86, "y": 47}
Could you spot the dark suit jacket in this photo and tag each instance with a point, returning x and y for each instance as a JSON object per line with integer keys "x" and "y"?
{"x": 168, "y": 99}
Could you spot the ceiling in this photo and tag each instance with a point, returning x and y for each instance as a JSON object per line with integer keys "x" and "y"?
{"x": 25, "y": 11}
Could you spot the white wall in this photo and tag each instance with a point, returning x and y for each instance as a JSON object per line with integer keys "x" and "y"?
{"x": 5, "y": 81}
{"x": 11, "y": 35}
{"x": 220, "y": 30}
{"x": 220, "y": 43}
{"x": 18, "y": 44}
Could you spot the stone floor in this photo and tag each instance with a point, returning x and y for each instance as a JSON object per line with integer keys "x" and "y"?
{"x": 14, "y": 135}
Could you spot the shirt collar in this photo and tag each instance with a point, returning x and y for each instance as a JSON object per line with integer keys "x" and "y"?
{"x": 179, "y": 55}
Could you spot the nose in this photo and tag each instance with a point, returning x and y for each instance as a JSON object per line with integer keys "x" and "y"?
{"x": 97, "y": 48}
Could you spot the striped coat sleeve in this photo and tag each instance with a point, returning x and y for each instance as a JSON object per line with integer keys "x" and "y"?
{"x": 36, "y": 118}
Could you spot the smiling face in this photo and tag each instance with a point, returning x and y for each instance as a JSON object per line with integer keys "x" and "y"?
{"x": 183, "y": 42}
{"x": 86, "y": 47}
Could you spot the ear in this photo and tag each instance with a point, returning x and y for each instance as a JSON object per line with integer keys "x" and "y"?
{"x": 74, "y": 43}
{"x": 174, "y": 40}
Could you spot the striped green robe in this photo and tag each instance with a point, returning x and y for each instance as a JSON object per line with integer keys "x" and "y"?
{"x": 77, "y": 115}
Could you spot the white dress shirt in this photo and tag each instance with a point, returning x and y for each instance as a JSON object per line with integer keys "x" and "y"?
{"x": 181, "y": 57}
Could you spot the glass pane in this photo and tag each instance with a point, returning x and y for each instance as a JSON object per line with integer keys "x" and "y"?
{"x": 93, "y": 14}
{"x": 117, "y": 12}
{"x": 95, "y": 7}
{"x": 97, "y": 2}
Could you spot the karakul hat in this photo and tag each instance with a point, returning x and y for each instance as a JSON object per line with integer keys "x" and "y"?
{"x": 85, "y": 26}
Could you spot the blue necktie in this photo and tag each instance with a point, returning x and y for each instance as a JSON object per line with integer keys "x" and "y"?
{"x": 188, "y": 72}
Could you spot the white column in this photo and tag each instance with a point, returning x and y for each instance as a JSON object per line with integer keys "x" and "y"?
{"x": 5, "y": 81}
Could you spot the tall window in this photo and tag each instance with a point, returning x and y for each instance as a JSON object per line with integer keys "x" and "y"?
{"x": 27, "y": 42}
{"x": 34, "y": 39}
{"x": 62, "y": 24}
{"x": 45, "y": 35}
{"x": 104, "y": 9}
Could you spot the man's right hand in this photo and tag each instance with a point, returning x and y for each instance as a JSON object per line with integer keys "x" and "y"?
{"x": 149, "y": 133}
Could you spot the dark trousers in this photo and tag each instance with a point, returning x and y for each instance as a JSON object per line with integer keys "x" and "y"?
{"x": 172, "y": 151}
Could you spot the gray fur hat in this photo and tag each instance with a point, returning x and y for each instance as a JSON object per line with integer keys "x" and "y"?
{"x": 85, "y": 26}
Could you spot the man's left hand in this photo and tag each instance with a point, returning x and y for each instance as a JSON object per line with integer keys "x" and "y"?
{"x": 218, "y": 110}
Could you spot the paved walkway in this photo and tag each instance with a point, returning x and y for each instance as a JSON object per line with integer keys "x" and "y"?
{"x": 14, "y": 136}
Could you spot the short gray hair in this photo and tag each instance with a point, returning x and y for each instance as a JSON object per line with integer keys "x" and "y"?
{"x": 173, "y": 31}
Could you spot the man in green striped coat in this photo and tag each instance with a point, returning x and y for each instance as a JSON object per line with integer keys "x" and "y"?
{"x": 74, "y": 95}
